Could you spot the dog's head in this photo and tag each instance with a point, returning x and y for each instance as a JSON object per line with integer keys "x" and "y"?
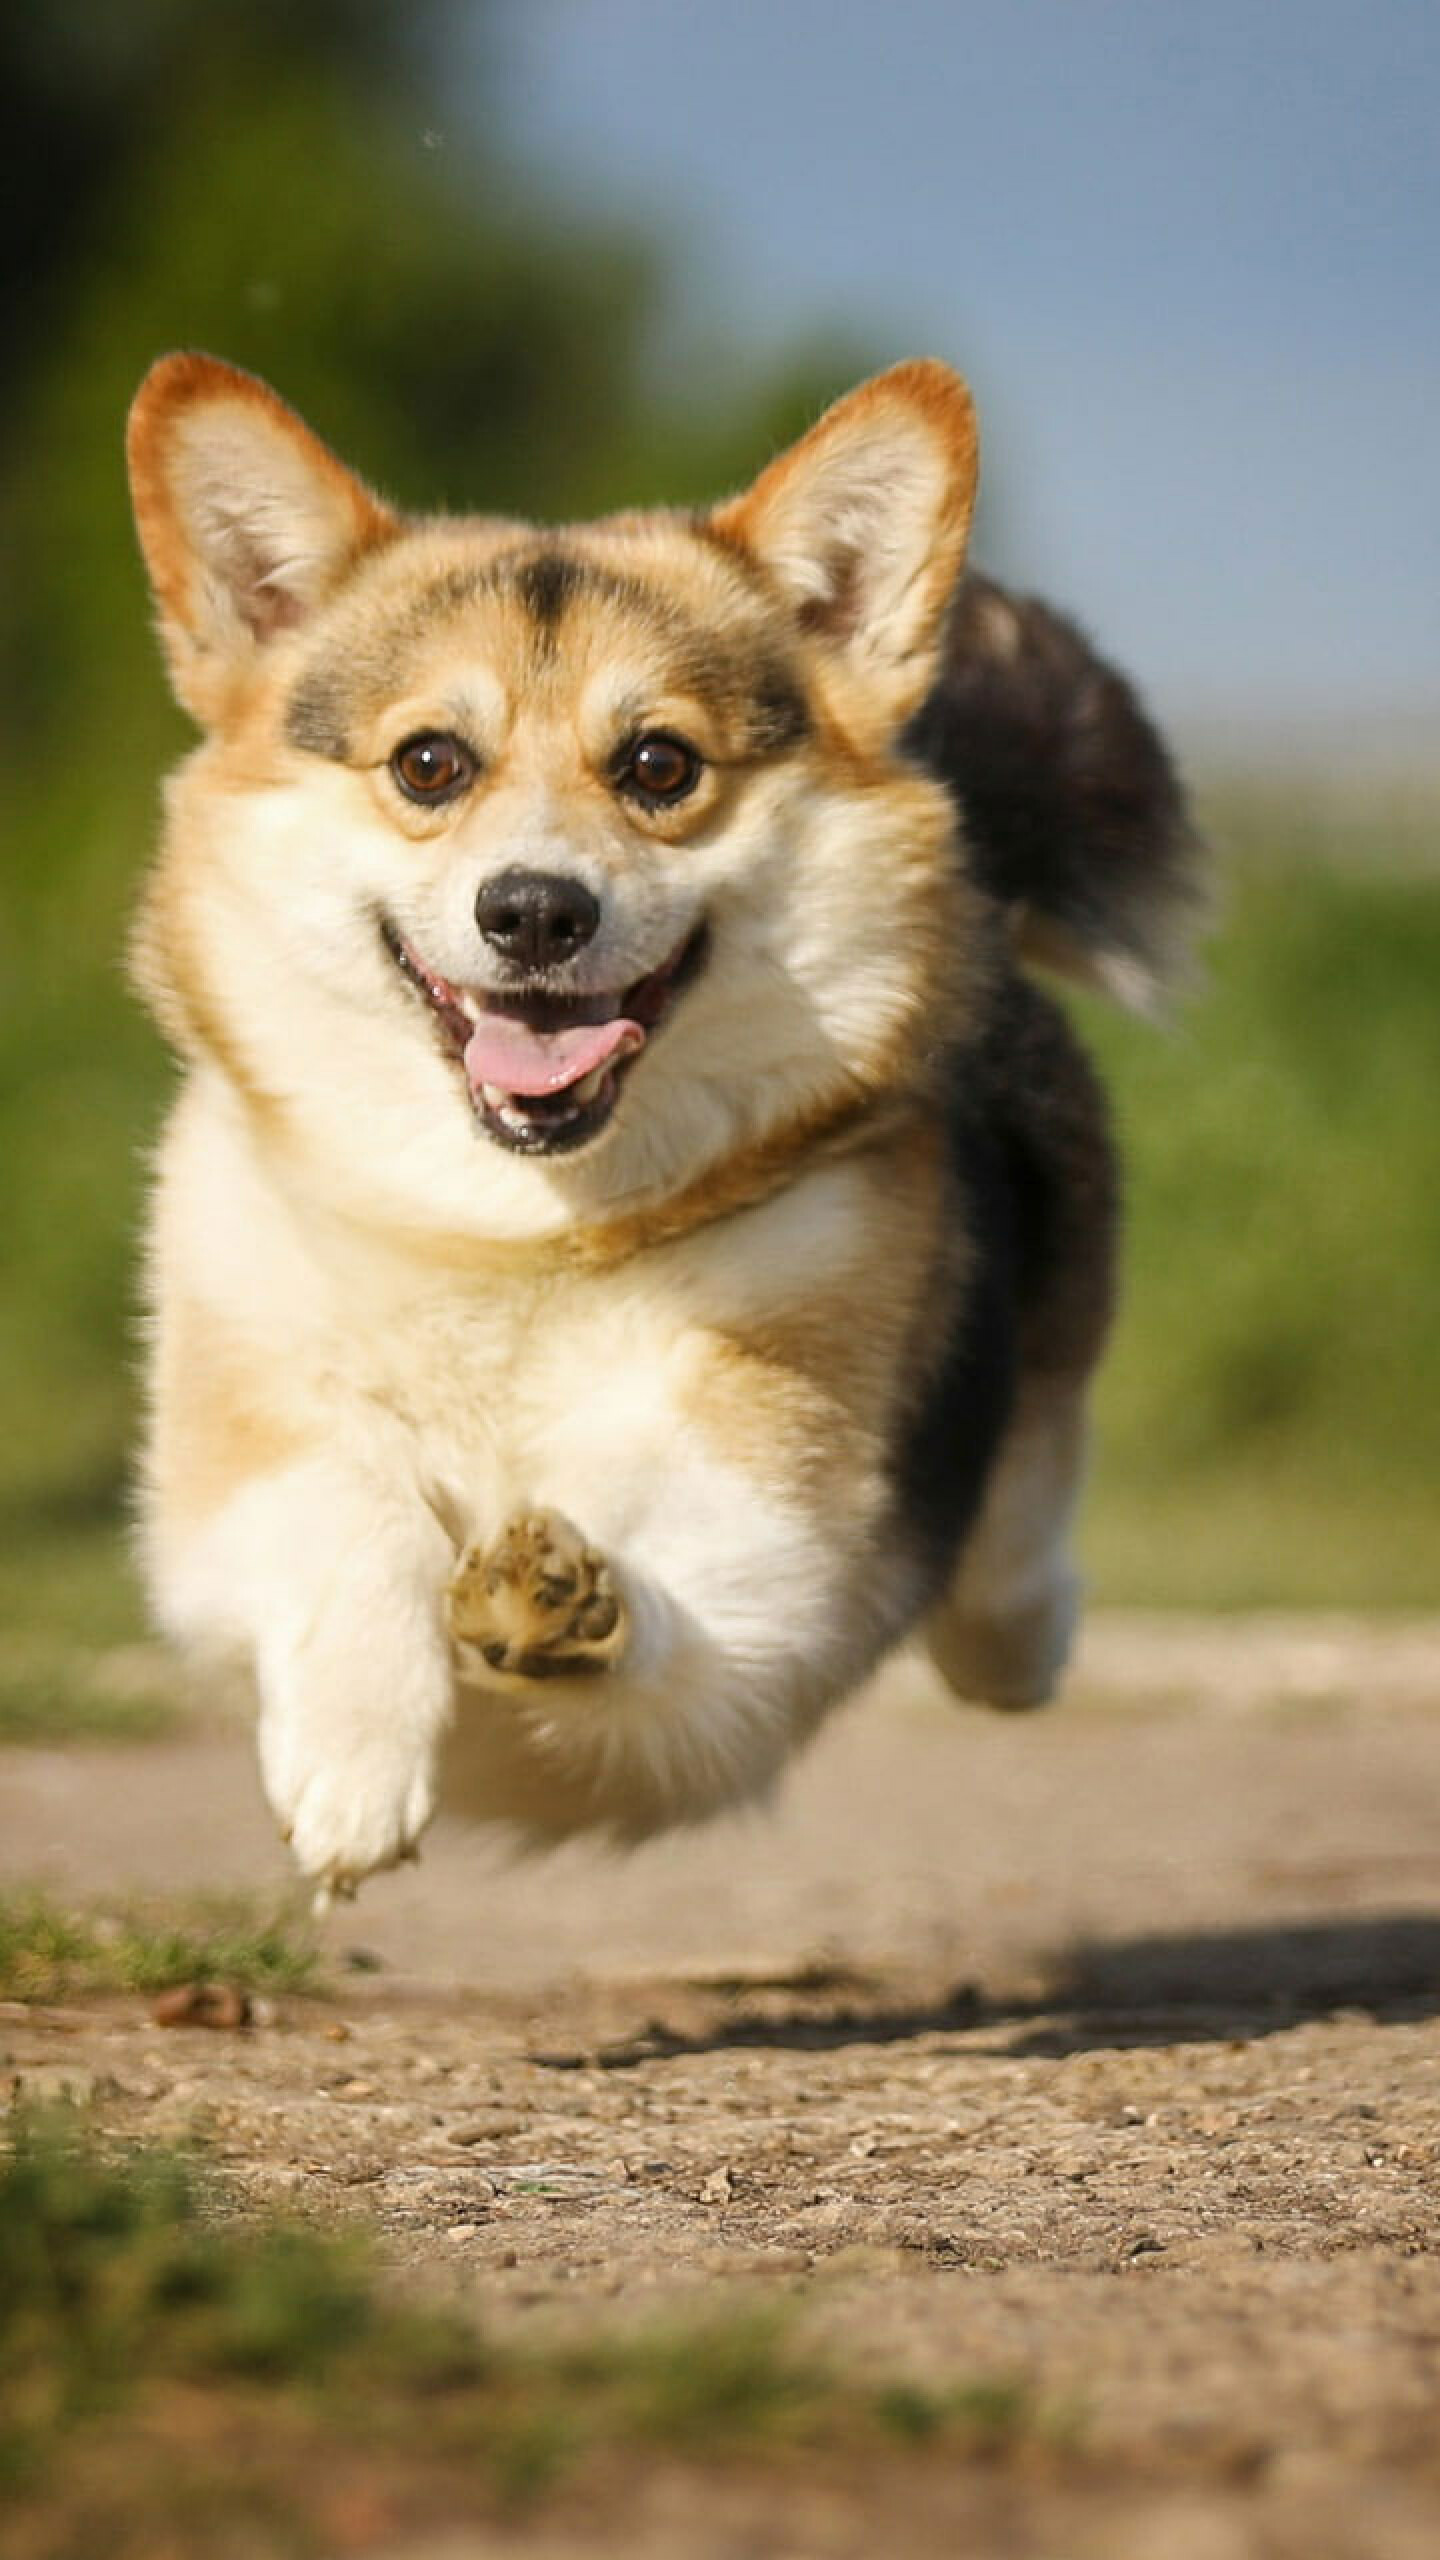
{"x": 596, "y": 844}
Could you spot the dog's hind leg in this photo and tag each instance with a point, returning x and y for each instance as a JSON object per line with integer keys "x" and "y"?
{"x": 1002, "y": 1631}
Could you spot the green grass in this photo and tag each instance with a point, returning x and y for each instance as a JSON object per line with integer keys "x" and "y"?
{"x": 113, "y": 2275}
{"x": 1270, "y": 1412}
{"x": 122, "y": 2286}
{"x": 55, "y": 1951}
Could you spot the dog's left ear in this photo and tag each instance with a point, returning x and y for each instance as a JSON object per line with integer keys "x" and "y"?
{"x": 247, "y": 521}
{"x": 864, "y": 524}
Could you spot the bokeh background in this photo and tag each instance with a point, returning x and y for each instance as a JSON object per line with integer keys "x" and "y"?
{"x": 557, "y": 256}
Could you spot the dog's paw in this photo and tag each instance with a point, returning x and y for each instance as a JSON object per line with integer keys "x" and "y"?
{"x": 348, "y": 1815}
{"x": 538, "y": 1604}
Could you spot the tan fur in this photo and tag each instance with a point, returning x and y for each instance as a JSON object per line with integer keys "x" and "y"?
{"x": 444, "y": 1428}
{"x": 214, "y": 1432}
{"x": 804, "y": 1374}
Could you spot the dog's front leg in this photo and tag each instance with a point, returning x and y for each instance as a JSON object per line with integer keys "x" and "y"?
{"x": 338, "y": 1582}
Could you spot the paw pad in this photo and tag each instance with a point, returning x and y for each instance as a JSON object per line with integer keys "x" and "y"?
{"x": 539, "y": 1604}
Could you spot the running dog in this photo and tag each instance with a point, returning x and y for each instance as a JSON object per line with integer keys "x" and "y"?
{"x": 632, "y": 1240}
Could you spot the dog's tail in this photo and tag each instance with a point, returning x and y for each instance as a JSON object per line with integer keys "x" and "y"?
{"x": 1074, "y": 815}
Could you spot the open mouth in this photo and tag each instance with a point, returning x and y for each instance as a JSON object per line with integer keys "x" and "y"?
{"x": 544, "y": 1071}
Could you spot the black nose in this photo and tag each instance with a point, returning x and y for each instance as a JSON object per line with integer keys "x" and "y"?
{"x": 536, "y": 919}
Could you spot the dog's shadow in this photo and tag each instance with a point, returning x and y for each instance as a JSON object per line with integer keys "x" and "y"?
{"x": 1192, "y": 1987}
{"x": 1220, "y": 1986}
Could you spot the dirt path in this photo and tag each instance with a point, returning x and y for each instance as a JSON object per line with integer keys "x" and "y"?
{"x": 1098, "y": 2050}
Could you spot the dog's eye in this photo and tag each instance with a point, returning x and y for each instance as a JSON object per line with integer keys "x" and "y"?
{"x": 658, "y": 767}
{"x": 432, "y": 767}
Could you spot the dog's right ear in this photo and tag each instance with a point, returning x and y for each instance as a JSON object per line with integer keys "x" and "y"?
{"x": 863, "y": 525}
{"x": 247, "y": 521}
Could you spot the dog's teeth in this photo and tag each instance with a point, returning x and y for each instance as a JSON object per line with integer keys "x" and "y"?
{"x": 468, "y": 1005}
{"x": 511, "y": 1112}
{"x": 505, "y": 1106}
{"x": 589, "y": 1086}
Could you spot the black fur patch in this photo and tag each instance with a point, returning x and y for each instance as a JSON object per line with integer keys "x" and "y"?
{"x": 778, "y": 713}
{"x": 1035, "y": 1190}
{"x": 947, "y": 1452}
{"x": 314, "y": 719}
{"x": 1070, "y": 802}
{"x": 1048, "y": 1111}
{"x": 548, "y": 584}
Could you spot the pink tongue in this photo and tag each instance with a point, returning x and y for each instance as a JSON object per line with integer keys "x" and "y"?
{"x": 506, "y": 1053}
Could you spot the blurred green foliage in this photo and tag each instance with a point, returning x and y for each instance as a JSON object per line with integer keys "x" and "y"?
{"x": 1269, "y": 1419}
{"x": 1270, "y": 1413}
{"x": 266, "y": 181}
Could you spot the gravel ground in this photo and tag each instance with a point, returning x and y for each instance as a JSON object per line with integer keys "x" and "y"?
{"x": 1095, "y": 2050}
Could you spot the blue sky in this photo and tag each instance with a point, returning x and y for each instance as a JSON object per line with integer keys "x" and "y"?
{"x": 1189, "y": 255}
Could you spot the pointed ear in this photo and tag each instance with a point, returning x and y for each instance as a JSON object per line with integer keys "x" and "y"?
{"x": 245, "y": 518}
{"x": 864, "y": 524}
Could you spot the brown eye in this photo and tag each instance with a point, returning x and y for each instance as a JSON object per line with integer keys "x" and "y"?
{"x": 658, "y": 767}
{"x": 432, "y": 767}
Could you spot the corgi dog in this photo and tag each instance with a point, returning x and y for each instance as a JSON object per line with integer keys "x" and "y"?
{"x": 632, "y": 1239}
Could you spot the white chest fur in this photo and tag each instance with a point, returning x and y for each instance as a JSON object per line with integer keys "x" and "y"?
{"x": 418, "y": 1405}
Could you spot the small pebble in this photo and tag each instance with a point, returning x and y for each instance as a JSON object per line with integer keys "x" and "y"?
{"x": 202, "y": 2004}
